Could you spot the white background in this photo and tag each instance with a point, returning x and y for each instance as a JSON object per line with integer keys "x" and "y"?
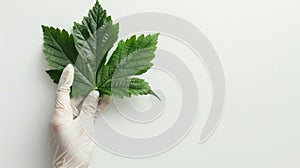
{"x": 257, "y": 42}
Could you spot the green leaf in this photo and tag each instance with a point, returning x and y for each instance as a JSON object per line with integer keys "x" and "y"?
{"x": 55, "y": 74}
{"x": 87, "y": 50}
{"x": 59, "y": 47}
{"x": 126, "y": 87}
{"x": 132, "y": 57}
{"x": 93, "y": 39}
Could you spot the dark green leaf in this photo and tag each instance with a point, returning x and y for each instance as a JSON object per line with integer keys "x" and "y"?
{"x": 59, "y": 47}
{"x": 55, "y": 74}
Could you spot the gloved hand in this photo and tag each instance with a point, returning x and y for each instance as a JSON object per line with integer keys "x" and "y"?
{"x": 73, "y": 138}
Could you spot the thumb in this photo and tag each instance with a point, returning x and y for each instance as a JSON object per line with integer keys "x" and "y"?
{"x": 87, "y": 114}
{"x": 89, "y": 105}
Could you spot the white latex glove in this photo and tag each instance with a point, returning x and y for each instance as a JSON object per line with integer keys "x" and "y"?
{"x": 73, "y": 138}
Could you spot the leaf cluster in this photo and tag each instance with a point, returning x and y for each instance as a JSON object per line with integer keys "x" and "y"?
{"x": 87, "y": 50}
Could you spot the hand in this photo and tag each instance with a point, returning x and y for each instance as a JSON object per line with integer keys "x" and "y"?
{"x": 72, "y": 138}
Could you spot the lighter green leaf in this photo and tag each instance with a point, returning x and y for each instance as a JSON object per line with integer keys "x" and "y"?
{"x": 132, "y": 57}
{"x": 93, "y": 39}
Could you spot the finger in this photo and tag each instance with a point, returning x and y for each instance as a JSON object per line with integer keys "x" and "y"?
{"x": 89, "y": 105}
{"x": 66, "y": 80}
{"x": 103, "y": 104}
{"x": 63, "y": 89}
